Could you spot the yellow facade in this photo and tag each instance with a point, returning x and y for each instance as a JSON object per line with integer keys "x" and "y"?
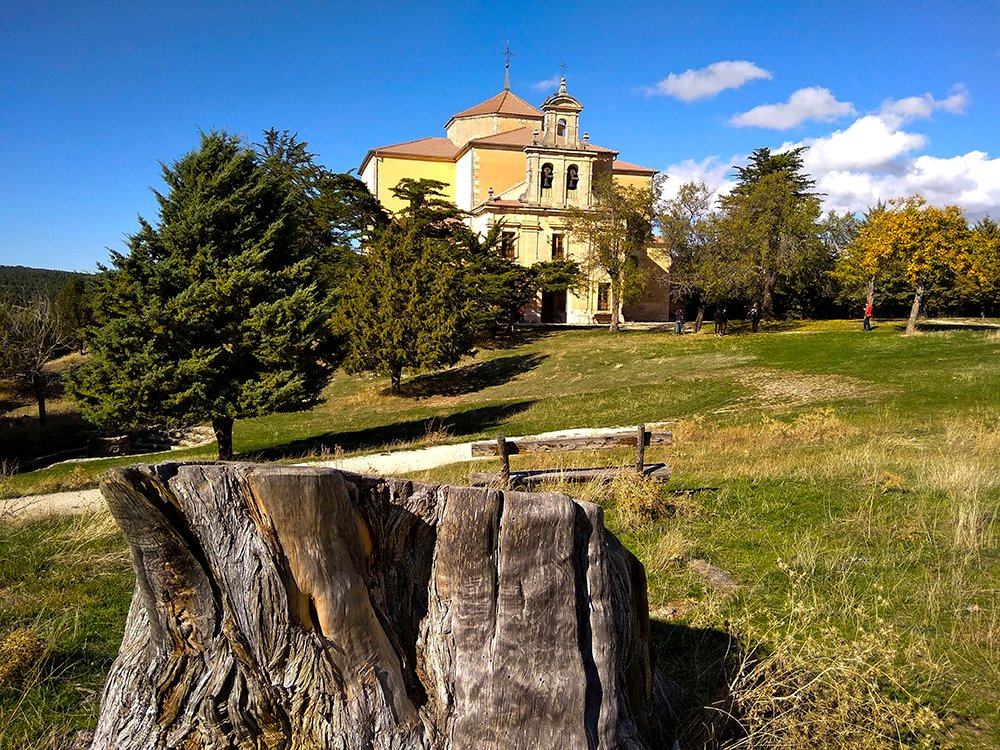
{"x": 392, "y": 170}
{"x": 497, "y": 170}
{"x": 506, "y": 161}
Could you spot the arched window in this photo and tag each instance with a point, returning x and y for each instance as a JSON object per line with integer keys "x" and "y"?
{"x": 572, "y": 177}
{"x": 561, "y": 128}
{"x": 547, "y": 172}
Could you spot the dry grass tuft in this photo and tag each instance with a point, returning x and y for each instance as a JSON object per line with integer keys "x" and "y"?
{"x": 20, "y": 654}
{"x": 665, "y": 551}
{"x": 967, "y": 482}
{"x": 87, "y": 531}
{"x": 797, "y": 695}
{"x": 640, "y": 500}
{"x": 799, "y": 682}
{"x": 436, "y": 433}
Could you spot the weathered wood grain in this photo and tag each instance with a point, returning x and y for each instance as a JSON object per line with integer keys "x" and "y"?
{"x": 535, "y": 477}
{"x": 291, "y": 609}
{"x": 585, "y": 443}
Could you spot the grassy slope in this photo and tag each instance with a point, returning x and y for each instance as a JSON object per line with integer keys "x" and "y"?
{"x": 853, "y": 483}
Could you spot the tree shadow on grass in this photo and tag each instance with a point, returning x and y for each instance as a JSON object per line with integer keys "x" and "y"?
{"x": 473, "y": 377}
{"x": 965, "y": 325}
{"x": 775, "y": 326}
{"x": 29, "y": 445}
{"x": 521, "y": 336}
{"x": 469, "y": 422}
{"x": 699, "y": 662}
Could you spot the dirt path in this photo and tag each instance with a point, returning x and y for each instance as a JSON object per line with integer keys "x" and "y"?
{"x": 383, "y": 464}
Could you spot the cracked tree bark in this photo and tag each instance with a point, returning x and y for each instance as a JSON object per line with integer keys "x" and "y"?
{"x": 287, "y": 608}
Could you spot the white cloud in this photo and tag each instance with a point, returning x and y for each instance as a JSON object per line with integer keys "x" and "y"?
{"x": 712, "y": 171}
{"x": 549, "y": 84}
{"x": 813, "y": 103}
{"x": 869, "y": 143}
{"x": 707, "y": 82}
{"x": 875, "y": 159}
{"x": 900, "y": 111}
{"x": 970, "y": 181}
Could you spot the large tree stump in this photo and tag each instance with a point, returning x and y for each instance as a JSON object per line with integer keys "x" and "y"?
{"x": 296, "y": 608}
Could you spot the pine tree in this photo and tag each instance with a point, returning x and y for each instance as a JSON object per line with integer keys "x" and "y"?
{"x": 767, "y": 236}
{"x": 405, "y": 305}
{"x": 215, "y": 313}
{"x": 72, "y": 311}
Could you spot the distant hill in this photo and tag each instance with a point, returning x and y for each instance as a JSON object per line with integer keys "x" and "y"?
{"x": 23, "y": 283}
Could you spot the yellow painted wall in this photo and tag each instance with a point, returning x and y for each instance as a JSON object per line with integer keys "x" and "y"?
{"x": 391, "y": 171}
{"x": 465, "y": 129}
{"x": 500, "y": 170}
{"x": 633, "y": 180}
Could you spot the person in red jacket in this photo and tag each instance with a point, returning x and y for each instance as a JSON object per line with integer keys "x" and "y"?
{"x": 869, "y": 309}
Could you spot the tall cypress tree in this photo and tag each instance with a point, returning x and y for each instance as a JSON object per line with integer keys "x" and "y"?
{"x": 215, "y": 313}
{"x": 405, "y": 306}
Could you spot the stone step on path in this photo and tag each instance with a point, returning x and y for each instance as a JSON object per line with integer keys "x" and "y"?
{"x": 387, "y": 463}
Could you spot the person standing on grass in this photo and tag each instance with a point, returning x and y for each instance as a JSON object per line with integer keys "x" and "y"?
{"x": 754, "y": 317}
{"x": 679, "y": 322}
{"x": 720, "y": 321}
{"x": 869, "y": 309}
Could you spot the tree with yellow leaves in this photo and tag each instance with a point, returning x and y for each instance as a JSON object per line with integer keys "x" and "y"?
{"x": 912, "y": 242}
{"x": 980, "y": 283}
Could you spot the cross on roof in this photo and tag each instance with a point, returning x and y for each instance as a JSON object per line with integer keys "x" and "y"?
{"x": 506, "y": 72}
{"x": 507, "y": 53}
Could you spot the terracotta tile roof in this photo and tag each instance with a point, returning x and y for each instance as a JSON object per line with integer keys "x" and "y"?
{"x": 440, "y": 148}
{"x": 519, "y": 137}
{"x": 625, "y": 167}
{"x": 504, "y": 103}
{"x": 522, "y": 137}
{"x": 600, "y": 149}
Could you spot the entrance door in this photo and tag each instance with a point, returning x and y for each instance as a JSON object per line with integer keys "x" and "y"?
{"x": 554, "y": 307}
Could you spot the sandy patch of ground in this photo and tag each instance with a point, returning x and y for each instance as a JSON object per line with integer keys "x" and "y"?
{"x": 380, "y": 464}
{"x": 776, "y": 388}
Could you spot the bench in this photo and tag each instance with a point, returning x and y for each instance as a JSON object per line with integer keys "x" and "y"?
{"x": 505, "y": 448}
{"x": 602, "y": 319}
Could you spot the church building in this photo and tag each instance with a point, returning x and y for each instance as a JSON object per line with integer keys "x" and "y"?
{"x": 504, "y": 160}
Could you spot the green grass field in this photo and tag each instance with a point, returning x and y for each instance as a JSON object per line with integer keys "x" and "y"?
{"x": 847, "y": 484}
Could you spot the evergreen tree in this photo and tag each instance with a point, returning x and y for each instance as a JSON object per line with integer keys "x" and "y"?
{"x": 762, "y": 163}
{"x": 72, "y": 311}
{"x": 336, "y": 211}
{"x": 767, "y": 235}
{"x": 217, "y": 312}
{"x": 406, "y": 305}
{"x": 498, "y": 288}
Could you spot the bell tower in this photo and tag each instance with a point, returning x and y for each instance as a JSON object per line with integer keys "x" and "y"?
{"x": 560, "y": 165}
{"x": 561, "y": 119}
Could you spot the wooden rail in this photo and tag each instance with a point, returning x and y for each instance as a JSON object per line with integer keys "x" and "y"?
{"x": 505, "y": 448}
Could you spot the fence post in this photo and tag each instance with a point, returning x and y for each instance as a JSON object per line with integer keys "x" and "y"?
{"x": 504, "y": 462}
{"x": 640, "y": 449}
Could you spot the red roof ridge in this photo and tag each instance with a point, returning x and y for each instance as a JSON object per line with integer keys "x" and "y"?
{"x": 431, "y": 146}
{"x": 504, "y": 103}
{"x": 620, "y": 165}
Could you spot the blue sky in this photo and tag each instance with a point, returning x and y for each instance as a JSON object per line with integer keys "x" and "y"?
{"x": 892, "y": 97}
